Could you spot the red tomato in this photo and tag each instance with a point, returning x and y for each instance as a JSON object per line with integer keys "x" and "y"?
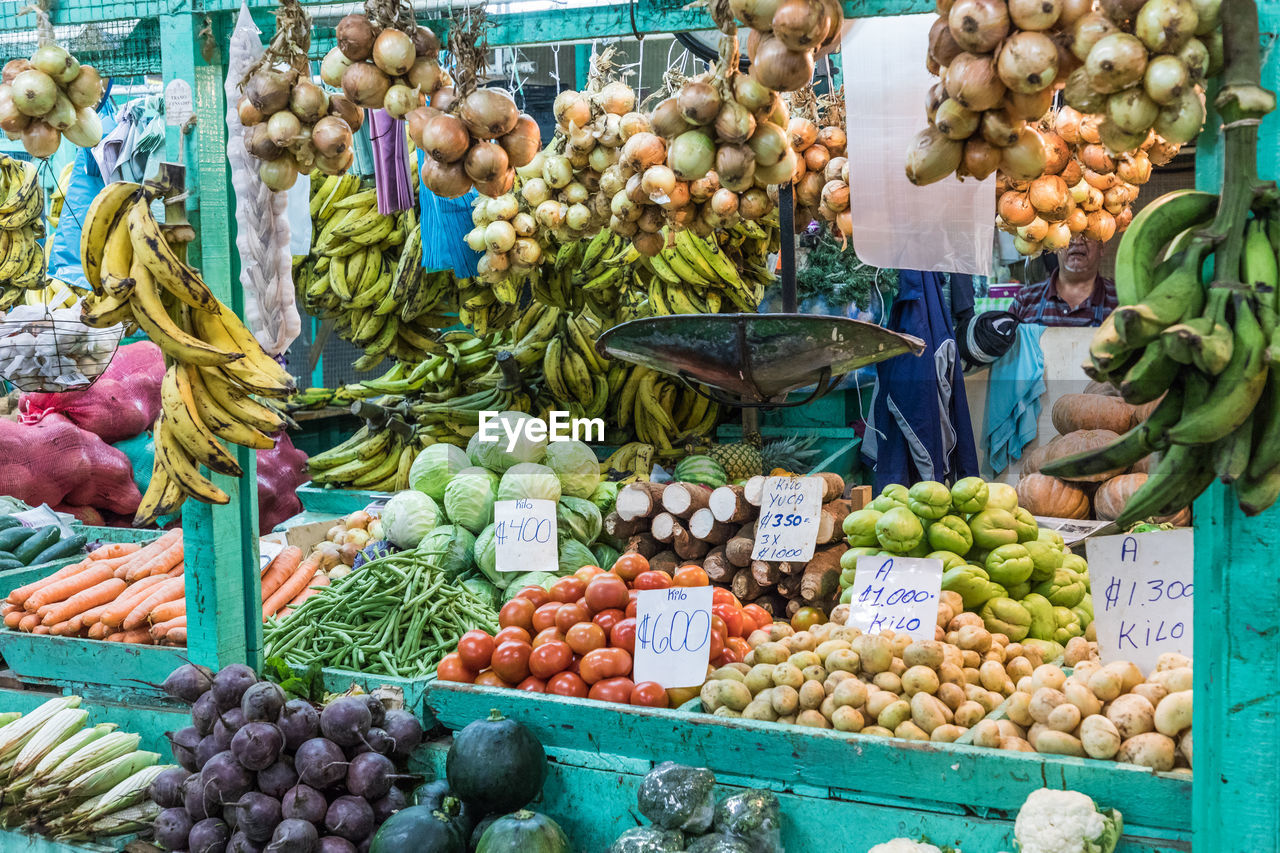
{"x": 612, "y": 690}
{"x": 739, "y": 645}
{"x": 689, "y": 576}
{"x": 729, "y": 655}
{"x": 623, "y": 635}
{"x": 806, "y": 617}
{"x": 451, "y": 668}
{"x": 650, "y": 694}
{"x": 604, "y": 663}
{"x": 517, "y": 612}
{"x": 511, "y": 662}
{"x": 757, "y": 615}
{"x": 489, "y": 678}
{"x": 573, "y": 664}
{"x": 506, "y": 635}
{"x": 567, "y": 684}
{"x": 533, "y": 685}
{"x": 587, "y": 573}
{"x": 632, "y": 607}
{"x": 549, "y": 659}
{"x": 547, "y": 635}
{"x": 545, "y": 616}
{"x": 476, "y": 648}
{"x": 652, "y": 580}
{"x": 606, "y": 619}
{"x": 571, "y": 614}
{"x": 567, "y": 589}
{"x": 717, "y": 645}
{"x": 585, "y": 637}
{"x": 630, "y": 565}
{"x": 720, "y": 595}
{"x": 534, "y": 593}
{"x": 732, "y": 617}
{"x": 606, "y": 592}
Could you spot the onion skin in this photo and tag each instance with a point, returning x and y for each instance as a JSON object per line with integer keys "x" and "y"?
{"x": 973, "y": 82}
{"x": 1050, "y": 197}
{"x": 981, "y": 158}
{"x": 1165, "y": 79}
{"x": 40, "y": 139}
{"x": 1034, "y": 14}
{"x": 1089, "y": 29}
{"x": 355, "y": 37}
{"x": 800, "y": 24}
{"x": 942, "y": 46}
{"x": 955, "y": 121}
{"x": 365, "y": 85}
{"x": 699, "y": 103}
{"x": 1164, "y": 26}
{"x": 1030, "y": 107}
{"x": 1025, "y": 159}
{"x": 1057, "y": 154}
{"x": 1116, "y": 62}
{"x": 523, "y": 142}
{"x": 445, "y": 138}
{"x": 932, "y": 156}
{"x": 1015, "y": 209}
{"x": 489, "y": 113}
{"x": 779, "y": 67}
{"x": 1028, "y": 62}
{"x": 331, "y": 137}
{"x": 484, "y": 162}
{"x": 979, "y": 25}
{"x": 343, "y": 107}
{"x": 447, "y": 180}
{"x": 999, "y": 128}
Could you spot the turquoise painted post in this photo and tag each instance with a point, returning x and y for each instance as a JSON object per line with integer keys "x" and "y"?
{"x": 223, "y": 594}
{"x": 1236, "y": 790}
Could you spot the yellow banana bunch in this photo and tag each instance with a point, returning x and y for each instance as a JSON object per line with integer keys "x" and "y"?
{"x": 630, "y": 463}
{"x": 22, "y": 260}
{"x": 216, "y": 366}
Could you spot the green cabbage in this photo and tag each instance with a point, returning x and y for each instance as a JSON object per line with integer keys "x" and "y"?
{"x": 606, "y": 555}
{"x": 486, "y": 555}
{"x": 520, "y": 581}
{"x": 574, "y": 555}
{"x": 494, "y": 454}
{"x": 605, "y": 495}
{"x": 576, "y": 465}
{"x": 485, "y": 591}
{"x": 468, "y": 499}
{"x": 408, "y": 517}
{"x": 579, "y": 519}
{"x": 451, "y": 547}
{"x": 529, "y": 480}
{"x": 435, "y": 467}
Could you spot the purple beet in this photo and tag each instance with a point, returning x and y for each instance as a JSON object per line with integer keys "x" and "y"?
{"x": 209, "y": 836}
{"x": 405, "y": 732}
{"x": 204, "y": 713}
{"x": 166, "y": 788}
{"x": 172, "y": 827}
{"x": 257, "y": 816}
{"x": 230, "y": 684}
{"x": 302, "y": 802}
{"x": 346, "y": 720}
{"x": 320, "y": 763}
{"x": 278, "y": 778}
{"x": 294, "y": 836}
{"x": 183, "y": 744}
{"x": 394, "y": 801}
{"x": 299, "y": 721}
{"x": 336, "y": 844}
{"x": 257, "y": 745}
{"x": 188, "y": 682}
{"x": 350, "y": 817}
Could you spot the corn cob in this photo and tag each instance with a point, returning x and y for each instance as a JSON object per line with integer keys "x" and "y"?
{"x": 92, "y": 755}
{"x": 131, "y": 819}
{"x": 20, "y": 786}
{"x": 108, "y": 775}
{"x": 14, "y": 735}
{"x": 125, "y": 793}
{"x": 59, "y": 727}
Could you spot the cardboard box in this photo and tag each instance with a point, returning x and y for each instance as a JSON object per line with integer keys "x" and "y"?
{"x": 305, "y": 536}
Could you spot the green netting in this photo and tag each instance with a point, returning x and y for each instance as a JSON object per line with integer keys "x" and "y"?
{"x": 128, "y": 48}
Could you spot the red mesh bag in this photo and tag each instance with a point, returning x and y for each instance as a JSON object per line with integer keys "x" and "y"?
{"x": 121, "y": 404}
{"x": 280, "y": 471}
{"x": 56, "y": 462}
{"x": 83, "y": 514}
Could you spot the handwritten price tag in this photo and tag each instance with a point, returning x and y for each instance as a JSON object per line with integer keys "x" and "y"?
{"x": 898, "y": 594}
{"x": 1142, "y": 594}
{"x": 525, "y": 535}
{"x": 788, "y": 526}
{"x": 673, "y": 635}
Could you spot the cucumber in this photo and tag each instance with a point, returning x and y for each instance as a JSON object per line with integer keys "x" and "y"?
{"x": 69, "y": 547}
{"x": 44, "y": 537}
{"x": 13, "y": 537}
{"x": 7, "y": 521}
{"x": 10, "y": 563}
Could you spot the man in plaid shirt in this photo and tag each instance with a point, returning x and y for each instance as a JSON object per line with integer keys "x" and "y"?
{"x": 1074, "y": 295}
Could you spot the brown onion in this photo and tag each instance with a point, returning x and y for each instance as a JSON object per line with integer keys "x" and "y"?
{"x": 942, "y": 47}
{"x": 400, "y": 100}
{"x": 981, "y": 158}
{"x": 1181, "y": 121}
{"x": 13, "y": 68}
{"x": 1028, "y": 62}
{"x": 1034, "y": 14}
{"x": 769, "y": 143}
{"x": 268, "y": 90}
{"x": 1088, "y": 30}
{"x": 735, "y": 123}
{"x": 279, "y": 174}
{"x": 800, "y": 24}
{"x": 1123, "y": 219}
{"x": 1050, "y": 197}
{"x": 667, "y": 120}
{"x": 735, "y": 167}
{"x": 699, "y": 103}
{"x": 416, "y": 120}
{"x": 1025, "y": 158}
{"x": 955, "y": 121}
{"x": 1134, "y": 168}
{"x": 751, "y": 93}
{"x": 1164, "y": 26}
{"x": 802, "y": 133}
{"x": 978, "y": 25}
{"x": 1080, "y": 96}
{"x": 1067, "y": 124}
{"x": 1072, "y": 11}
{"x": 343, "y": 107}
{"x": 333, "y": 66}
{"x": 336, "y": 165}
{"x": 616, "y": 98}
{"x": 780, "y": 68}
{"x": 703, "y": 188}
{"x": 40, "y": 139}
{"x": 808, "y": 190}
{"x": 835, "y": 195}
{"x": 447, "y": 180}
{"x": 632, "y": 123}
{"x": 754, "y": 204}
{"x": 999, "y": 128}
{"x": 489, "y": 113}
{"x": 485, "y": 161}
{"x": 393, "y": 52}
{"x": 1056, "y": 152}
{"x": 355, "y": 37}
{"x": 691, "y": 155}
{"x": 1100, "y": 181}
{"x": 425, "y": 42}
{"x": 833, "y": 139}
{"x": 779, "y": 173}
{"x": 1101, "y": 227}
{"x": 973, "y": 82}
{"x": 757, "y": 14}
{"x": 1057, "y": 237}
{"x": 331, "y": 137}
{"x": 1034, "y": 231}
{"x": 308, "y": 101}
{"x": 1072, "y": 173}
{"x": 248, "y": 113}
{"x": 500, "y": 185}
{"x": 1118, "y": 140}
{"x": 1132, "y": 110}
{"x": 1015, "y": 208}
{"x": 642, "y": 151}
{"x": 571, "y": 108}
{"x": 523, "y": 142}
{"x": 445, "y": 138}
{"x": 1116, "y": 62}
{"x": 366, "y": 85}
{"x": 425, "y": 76}
{"x": 259, "y": 144}
{"x": 1077, "y": 220}
{"x": 932, "y": 156}
{"x": 86, "y": 89}
{"x": 816, "y": 157}
{"x": 1030, "y": 106}
{"x": 283, "y": 127}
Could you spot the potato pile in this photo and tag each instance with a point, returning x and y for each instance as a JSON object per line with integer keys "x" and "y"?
{"x": 836, "y": 677}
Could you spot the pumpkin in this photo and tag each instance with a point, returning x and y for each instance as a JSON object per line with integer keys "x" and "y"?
{"x": 1181, "y": 518}
{"x": 495, "y": 765}
{"x": 1144, "y": 465}
{"x": 524, "y": 832}
{"x": 1073, "y": 412}
{"x": 1078, "y": 442}
{"x": 1035, "y": 459}
{"x": 1142, "y": 412}
{"x": 419, "y": 829}
{"x": 1043, "y": 495}
{"x": 1101, "y": 388}
{"x": 1109, "y": 500}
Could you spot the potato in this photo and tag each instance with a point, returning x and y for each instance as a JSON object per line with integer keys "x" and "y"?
{"x": 1018, "y": 708}
{"x": 947, "y": 733}
{"x": 888, "y": 681}
{"x": 828, "y": 707}
{"x": 1184, "y": 747}
{"x": 1034, "y": 730}
{"x": 1033, "y": 654}
{"x": 1015, "y": 744}
{"x": 1008, "y": 728}
{"x": 876, "y": 731}
{"x": 1064, "y": 718}
{"x": 811, "y": 695}
{"x": 1133, "y": 715}
{"x": 900, "y": 643}
{"x": 1149, "y": 749}
{"x": 945, "y": 615}
{"x": 758, "y": 710}
{"x": 996, "y": 655}
{"x": 829, "y": 646}
{"x": 894, "y": 714}
{"x": 986, "y": 733}
{"x": 878, "y": 701}
{"x": 846, "y": 718}
{"x": 802, "y": 659}
{"x": 733, "y": 694}
{"x": 1025, "y": 684}
{"x": 1055, "y": 742}
{"x": 1173, "y": 680}
{"x": 844, "y": 632}
{"x": 972, "y": 660}
{"x": 789, "y": 719}
{"x": 965, "y": 618}
{"x": 949, "y": 673}
{"x": 974, "y": 638}
{"x": 1099, "y": 737}
{"x": 758, "y": 637}
{"x": 1172, "y": 660}
{"x": 843, "y": 659}
{"x": 969, "y": 714}
{"x": 725, "y": 711}
{"x": 1153, "y": 693}
{"x": 729, "y": 673}
{"x": 951, "y": 599}
{"x": 834, "y": 678}
{"x": 1043, "y": 701}
{"x": 992, "y": 675}
{"x": 789, "y": 674}
{"x": 760, "y": 677}
{"x": 927, "y": 653}
{"x": 1091, "y": 632}
{"x": 998, "y": 639}
{"x": 1048, "y": 675}
{"x": 1013, "y": 650}
{"x": 822, "y": 633}
{"x": 802, "y": 641}
{"x": 840, "y": 614}
{"x": 990, "y": 700}
{"x": 910, "y": 731}
{"x": 1106, "y": 684}
{"x": 771, "y": 653}
{"x": 875, "y": 652}
{"x": 1077, "y": 650}
{"x": 920, "y": 679}
{"x": 953, "y": 656}
{"x": 1173, "y": 714}
{"x": 1082, "y": 697}
{"x": 972, "y": 675}
{"x": 1130, "y": 675}
{"x": 815, "y": 673}
{"x": 1017, "y": 667}
{"x": 974, "y": 692}
{"x": 897, "y": 667}
{"x": 951, "y": 694}
{"x": 1085, "y": 669}
{"x": 779, "y": 630}
{"x": 851, "y": 693}
{"x": 928, "y": 712}
{"x": 785, "y": 699}
{"x": 812, "y": 719}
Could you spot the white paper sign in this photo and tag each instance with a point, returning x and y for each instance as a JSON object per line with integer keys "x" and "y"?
{"x": 177, "y": 102}
{"x": 788, "y": 526}
{"x": 673, "y": 635}
{"x": 898, "y": 594}
{"x": 525, "y": 535}
{"x": 1142, "y": 594}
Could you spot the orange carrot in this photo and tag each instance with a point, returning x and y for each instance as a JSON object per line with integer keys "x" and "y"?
{"x": 98, "y": 631}
{"x": 8, "y": 607}
{"x": 28, "y": 622}
{"x": 20, "y": 595}
{"x": 295, "y": 584}
{"x": 169, "y": 610}
{"x": 177, "y": 636}
{"x": 117, "y": 610}
{"x": 100, "y": 593}
{"x": 11, "y": 620}
{"x": 161, "y": 629}
{"x": 93, "y": 614}
{"x": 281, "y": 569}
{"x": 69, "y": 586}
{"x": 319, "y": 582}
{"x": 115, "y": 549}
{"x": 149, "y": 550}
{"x": 41, "y": 629}
{"x": 69, "y": 628}
{"x": 138, "y": 635}
{"x": 158, "y": 564}
{"x": 166, "y": 590}
{"x": 174, "y": 572}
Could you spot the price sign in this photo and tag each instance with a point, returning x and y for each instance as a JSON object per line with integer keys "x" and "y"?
{"x": 1142, "y": 594}
{"x": 898, "y": 594}
{"x": 177, "y": 103}
{"x": 788, "y": 526}
{"x": 524, "y": 534}
{"x": 673, "y": 635}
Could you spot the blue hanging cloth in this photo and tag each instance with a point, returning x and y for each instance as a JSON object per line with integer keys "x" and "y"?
{"x": 445, "y": 222}
{"x": 85, "y": 184}
{"x": 1013, "y": 399}
{"x": 920, "y": 427}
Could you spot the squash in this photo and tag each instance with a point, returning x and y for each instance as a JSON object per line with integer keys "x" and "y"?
{"x": 1072, "y": 412}
{"x": 1043, "y": 495}
{"x": 496, "y": 765}
{"x": 1078, "y": 442}
{"x": 1142, "y": 412}
{"x": 418, "y": 829}
{"x": 524, "y": 832}
{"x": 1181, "y": 518}
{"x": 1036, "y": 459}
{"x": 437, "y": 797}
{"x": 1103, "y": 389}
{"x": 1144, "y": 465}
{"x": 1109, "y": 500}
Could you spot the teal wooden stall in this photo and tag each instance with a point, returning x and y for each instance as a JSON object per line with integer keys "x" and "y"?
{"x": 866, "y": 790}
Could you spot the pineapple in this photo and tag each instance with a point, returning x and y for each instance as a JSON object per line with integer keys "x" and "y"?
{"x": 742, "y": 459}
{"x": 792, "y": 454}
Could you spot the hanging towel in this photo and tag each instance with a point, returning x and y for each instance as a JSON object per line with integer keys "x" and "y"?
{"x": 445, "y": 221}
{"x": 1013, "y": 399}
{"x": 86, "y": 183}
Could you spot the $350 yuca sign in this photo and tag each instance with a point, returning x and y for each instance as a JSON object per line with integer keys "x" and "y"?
{"x": 898, "y": 594}
{"x": 789, "y": 515}
{"x": 673, "y": 635}
{"x": 524, "y": 535}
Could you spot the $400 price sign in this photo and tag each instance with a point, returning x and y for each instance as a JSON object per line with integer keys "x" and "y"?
{"x": 898, "y": 594}
{"x": 524, "y": 535}
{"x": 673, "y": 635}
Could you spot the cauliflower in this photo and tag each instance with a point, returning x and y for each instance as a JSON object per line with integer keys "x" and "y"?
{"x": 1065, "y": 822}
{"x": 904, "y": 845}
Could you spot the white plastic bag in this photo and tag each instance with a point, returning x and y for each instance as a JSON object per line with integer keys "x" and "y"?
{"x": 948, "y": 226}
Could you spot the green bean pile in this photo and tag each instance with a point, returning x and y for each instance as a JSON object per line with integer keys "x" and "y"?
{"x": 395, "y": 616}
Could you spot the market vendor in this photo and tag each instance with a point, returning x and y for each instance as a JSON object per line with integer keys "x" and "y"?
{"x": 1075, "y": 294}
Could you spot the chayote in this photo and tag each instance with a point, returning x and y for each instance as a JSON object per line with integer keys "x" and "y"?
{"x": 1009, "y": 565}
{"x": 994, "y": 527}
{"x": 860, "y": 528}
{"x": 1006, "y": 616}
{"x": 950, "y": 533}
{"x": 929, "y": 499}
{"x": 899, "y": 530}
{"x": 969, "y": 495}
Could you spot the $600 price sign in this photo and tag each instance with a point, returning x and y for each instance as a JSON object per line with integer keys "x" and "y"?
{"x": 524, "y": 535}
{"x": 898, "y": 594}
{"x": 673, "y": 635}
